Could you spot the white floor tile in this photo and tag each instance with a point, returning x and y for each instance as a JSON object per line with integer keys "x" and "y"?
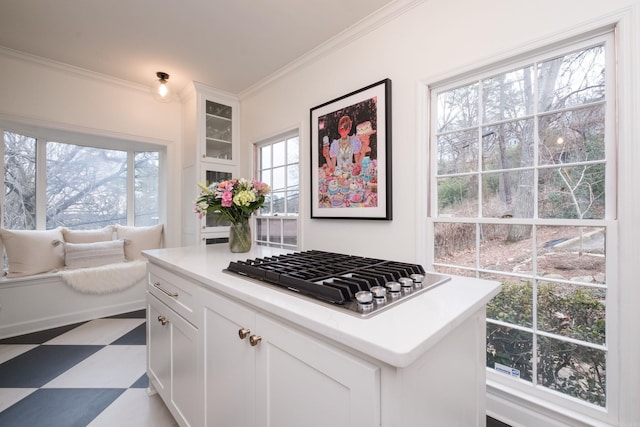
{"x": 112, "y": 367}
{"x": 135, "y": 408}
{"x": 9, "y": 351}
{"x": 9, "y": 396}
{"x": 97, "y": 332}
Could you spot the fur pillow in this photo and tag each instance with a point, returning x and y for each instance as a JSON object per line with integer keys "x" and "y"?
{"x": 32, "y": 251}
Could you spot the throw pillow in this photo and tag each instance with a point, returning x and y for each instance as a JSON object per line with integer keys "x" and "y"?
{"x": 32, "y": 251}
{"x": 93, "y": 254}
{"x": 137, "y": 239}
{"x": 88, "y": 236}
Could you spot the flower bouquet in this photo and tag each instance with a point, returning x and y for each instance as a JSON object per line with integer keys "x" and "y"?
{"x": 235, "y": 199}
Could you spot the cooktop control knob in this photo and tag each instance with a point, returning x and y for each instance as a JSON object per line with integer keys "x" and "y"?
{"x": 364, "y": 297}
{"x": 393, "y": 288}
{"x": 406, "y": 283}
{"x": 365, "y": 301}
{"x": 379, "y": 294}
{"x": 417, "y": 279}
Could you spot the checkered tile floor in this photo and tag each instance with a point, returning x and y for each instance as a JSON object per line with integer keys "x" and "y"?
{"x": 87, "y": 374}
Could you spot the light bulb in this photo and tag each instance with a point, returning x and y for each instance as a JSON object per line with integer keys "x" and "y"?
{"x": 161, "y": 90}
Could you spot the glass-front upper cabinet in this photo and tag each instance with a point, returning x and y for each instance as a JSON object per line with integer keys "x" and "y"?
{"x": 210, "y": 153}
{"x": 219, "y": 131}
{"x": 212, "y": 221}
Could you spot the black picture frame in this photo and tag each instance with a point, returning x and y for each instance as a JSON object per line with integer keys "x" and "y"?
{"x": 351, "y": 166}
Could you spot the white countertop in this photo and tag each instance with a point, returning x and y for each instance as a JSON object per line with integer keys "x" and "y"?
{"x": 397, "y": 336}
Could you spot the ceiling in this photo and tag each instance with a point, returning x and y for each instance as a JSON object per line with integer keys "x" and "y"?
{"x": 227, "y": 44}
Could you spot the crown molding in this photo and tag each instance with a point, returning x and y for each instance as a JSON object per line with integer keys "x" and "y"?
{"x": 77, "y": 71}
{"x": 370, "y": 23}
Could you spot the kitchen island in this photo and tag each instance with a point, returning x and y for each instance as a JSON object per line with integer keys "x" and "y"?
{"x": 224, "y": 350}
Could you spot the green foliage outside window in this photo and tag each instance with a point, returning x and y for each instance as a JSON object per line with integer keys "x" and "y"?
{"x": 567, "y": 367}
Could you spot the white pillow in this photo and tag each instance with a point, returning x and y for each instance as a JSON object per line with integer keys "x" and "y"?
{"x": 88, "y": 236}
{"x": 32, "y": 251}
{"x": 93, "y": 254}
{"x": 137, "y": 239}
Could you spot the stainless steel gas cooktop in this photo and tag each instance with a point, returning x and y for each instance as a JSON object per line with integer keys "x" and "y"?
{"x": 361, "y": 286}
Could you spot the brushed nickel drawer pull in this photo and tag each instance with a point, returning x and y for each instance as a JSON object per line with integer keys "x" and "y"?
{"x": 171, "y": 294}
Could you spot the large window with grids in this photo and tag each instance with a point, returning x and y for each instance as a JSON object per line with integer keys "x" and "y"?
{"x": 49, "y": 183}
{"x": 523, "y": 192}
{"x": 278, "y": 164}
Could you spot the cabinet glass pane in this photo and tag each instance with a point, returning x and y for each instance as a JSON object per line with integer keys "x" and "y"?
{"x": 218, "y": 132}
{"x": 216, "y": 240}
{"x": 218, "y": 129}
{"x": 220, "y": 110}
{"x": 219, "y": 149}
{"x": 212, "y": 219}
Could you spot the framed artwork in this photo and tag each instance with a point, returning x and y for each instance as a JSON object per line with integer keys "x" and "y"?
{"x": 351, "y": 155}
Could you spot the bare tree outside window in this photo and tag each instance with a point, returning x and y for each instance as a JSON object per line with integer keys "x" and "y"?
{"x": 85, "y": 187}
{"x": 19, "y": 211}
{"x": 521, "y": 198}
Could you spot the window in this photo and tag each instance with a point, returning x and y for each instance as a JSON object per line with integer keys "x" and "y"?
{"x": 278, "y": 164}
{"x": 523, "y": 192}
{"x": 50, "y": 184}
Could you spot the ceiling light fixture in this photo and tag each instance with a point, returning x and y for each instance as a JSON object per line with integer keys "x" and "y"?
{"x": 161, "y": 90}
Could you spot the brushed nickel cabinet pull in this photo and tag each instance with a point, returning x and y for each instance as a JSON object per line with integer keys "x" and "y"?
{"x": 254, "y": 340}
{"x": 171, "y": 294}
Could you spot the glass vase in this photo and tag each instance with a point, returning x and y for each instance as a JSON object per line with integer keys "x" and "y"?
{"x": 240, "y": 237}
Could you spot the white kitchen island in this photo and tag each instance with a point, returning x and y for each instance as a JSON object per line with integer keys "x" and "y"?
{"x": 228, "y": 351}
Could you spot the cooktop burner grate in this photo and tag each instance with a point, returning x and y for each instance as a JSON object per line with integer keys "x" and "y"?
{"x": 361, "y": 285}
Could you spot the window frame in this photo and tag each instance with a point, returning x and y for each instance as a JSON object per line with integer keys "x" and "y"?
{"x": 43, "y": 135}
{"x": 275, "y": 219}
{"x": 516, "y": 389}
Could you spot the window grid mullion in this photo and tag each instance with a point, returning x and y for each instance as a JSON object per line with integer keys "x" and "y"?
{"x": 41, "y": 184}
{"x": 535, "y": 221}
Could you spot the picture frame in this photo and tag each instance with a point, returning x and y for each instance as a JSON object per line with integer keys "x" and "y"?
{"x": 351, "y": 155}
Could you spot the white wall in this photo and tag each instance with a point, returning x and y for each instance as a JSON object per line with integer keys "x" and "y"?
{"x": 435, "y": 40}
{"x": 40, "y": 93}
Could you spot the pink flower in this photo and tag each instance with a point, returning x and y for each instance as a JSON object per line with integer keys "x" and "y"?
{"x": 227, "y": 199}
{"x": 226, "y": 185}
{"x": 261, "y": 187}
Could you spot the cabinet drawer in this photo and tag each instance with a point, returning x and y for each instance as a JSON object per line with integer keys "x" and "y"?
{"x": 177, "y": 293}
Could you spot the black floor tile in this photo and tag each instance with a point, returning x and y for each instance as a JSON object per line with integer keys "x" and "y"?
{"x": 40, "y": 365}
{"x": 138, "y": 314}
{"x": 492, "y": 422}
{"x": 57, "y": 407}
{"x": 142, "y": 382}
{"x": 137, "y": 336}
{"x": 40, "y": 336}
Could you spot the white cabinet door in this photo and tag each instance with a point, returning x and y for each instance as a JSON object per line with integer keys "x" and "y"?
{"x": 158, "y": 347}
{"x": 301, "y": 381}
{"x": 186, "y": 379}
{"x": 172, "y": 351}
{"x": 229, "y": 363}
